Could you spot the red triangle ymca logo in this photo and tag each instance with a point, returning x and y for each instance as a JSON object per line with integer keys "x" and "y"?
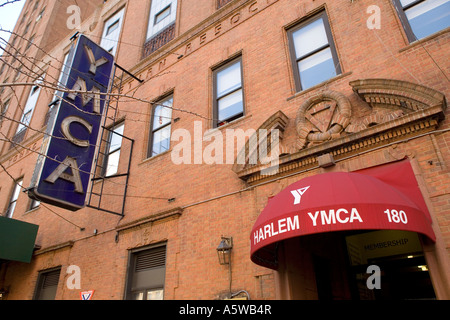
{"x": 298, "y": 194}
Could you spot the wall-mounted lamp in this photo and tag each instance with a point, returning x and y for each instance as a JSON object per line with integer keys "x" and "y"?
{"x": 224, "y": 250}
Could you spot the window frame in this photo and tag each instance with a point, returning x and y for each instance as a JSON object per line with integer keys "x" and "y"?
{"x": 13, "y": 198}
{"x": 32, "y": 100}
{"x": 116, "y": 18}
{"x": 216, "y": 121}
{"x": 405, "y": 21}
{"x": 152, "y": 131}
{"x": 169, "y": 6}
{"x": 331, "y": 44}
{"x": 152, "y": 26}
{"x": 41, "y": 280}
{"x": 109, "y": 151}
{"x": 34, "y": 203}
{"x": 4, "y": 109}
{"x": 131, "y": 271}
{"x": 62, "y": 79}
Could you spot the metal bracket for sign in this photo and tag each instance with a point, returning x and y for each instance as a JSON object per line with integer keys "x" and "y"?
{"x": 102, "y": 186}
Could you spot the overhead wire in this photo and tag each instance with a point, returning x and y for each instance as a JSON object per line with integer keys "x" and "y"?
{"x": 134, "y": 99}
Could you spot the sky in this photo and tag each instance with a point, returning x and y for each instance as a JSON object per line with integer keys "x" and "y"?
{"x": 9, "y": 13}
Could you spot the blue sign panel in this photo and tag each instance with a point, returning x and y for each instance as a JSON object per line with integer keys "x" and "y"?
{"x": 62, "y": 173}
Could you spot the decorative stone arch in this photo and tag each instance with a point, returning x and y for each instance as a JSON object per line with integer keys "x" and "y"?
{"x": 278, "y": 121}
{"x": 396, "y": 94}
{"x": 394, "y": 99}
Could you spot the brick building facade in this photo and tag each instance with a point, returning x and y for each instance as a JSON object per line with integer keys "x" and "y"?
{"x": 348, "y": 86}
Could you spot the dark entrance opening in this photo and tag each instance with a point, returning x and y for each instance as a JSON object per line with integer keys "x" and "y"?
{"x": 334, "y": 266}
{"x": 403, "y": 271}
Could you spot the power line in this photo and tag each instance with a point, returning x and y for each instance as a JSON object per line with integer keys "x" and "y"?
{"x": 45, "y": 206}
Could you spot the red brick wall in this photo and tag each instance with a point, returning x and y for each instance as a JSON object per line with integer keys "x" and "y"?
{"x": 259, "y": 35}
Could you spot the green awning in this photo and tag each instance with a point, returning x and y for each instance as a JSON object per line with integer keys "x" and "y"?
{"x": 17, "y": 239}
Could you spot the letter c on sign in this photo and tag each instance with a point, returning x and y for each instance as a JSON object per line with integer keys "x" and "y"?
{"x": 65, "y": 128}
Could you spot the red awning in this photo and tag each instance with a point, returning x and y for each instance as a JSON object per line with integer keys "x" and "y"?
{"x": 386, "y": 197}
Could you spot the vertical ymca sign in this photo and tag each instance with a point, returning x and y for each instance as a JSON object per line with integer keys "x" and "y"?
{"x": 62, "y": 172}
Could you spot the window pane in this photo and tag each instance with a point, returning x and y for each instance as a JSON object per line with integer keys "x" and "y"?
{"x": 229, "y": 79}
{"x": 17, "y": 190}
{"x": 14, "y": 197}
{"x": 138, "y": 296}
{"x": 113, "y": 163}
{"x": 155, "y": 294}
{"x": 34, "y": 204}
{"x": 116, "y": 139}
{"x": 162, "y": 15}
{"x": 162, "y": 115}
{"x": 63, "y": 75}
{"x": 112, "y": 27}
{"x": 429, "y": 17}
{"x": 310, "y": 38}
{"x": 111, "y": 33}
{"x": 161, "y": 140}
{"x": 11, "y": 208}
{"x": 230, "y": 105}
{"x": 316, "y": 68}
{"x": 25, "y": 121}
{"x": 29, "y": 107}
{"x": 406, "y": 2}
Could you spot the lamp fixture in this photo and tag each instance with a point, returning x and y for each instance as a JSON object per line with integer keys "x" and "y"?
{"x": 224, "y": 250}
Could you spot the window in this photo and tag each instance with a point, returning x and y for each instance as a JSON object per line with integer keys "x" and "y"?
{"x": 421, "y": 18}
{"x": 228, "y": 93}
{"x": 113, "y": 150}
{"x": 2, "y": 89}
{"x": 111, "y": 33}
{"x": 62, "y": 81}
{"x": 41, "y": 14}
{"x": 47, "y": 284}
{"x": 161, "y": 25}
{"x": 18, "y": 73}
{"x": 313, "y": 54}
{"x": 14, "y": 197}
{"x": 3, "y": 110}
{"x": 34, "y": 204}
{"x": 29, "y": 107}
{"x": 162, "y": 14}
{"x": 159, "y": 140}
{"x": 2, "y": 68}
{"x": 30, "y": 42}
{"x": 147, "y": 274}
{"x": 26, "y": 28}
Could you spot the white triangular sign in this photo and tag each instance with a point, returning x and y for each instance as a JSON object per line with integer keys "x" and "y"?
{"x": 87, "y": 295}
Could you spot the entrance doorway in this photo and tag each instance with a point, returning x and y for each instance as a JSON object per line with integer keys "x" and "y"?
{"x": 334, "y": 266}
{"x": 398, "y": 258}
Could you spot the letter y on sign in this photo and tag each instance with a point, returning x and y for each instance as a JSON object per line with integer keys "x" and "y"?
{"x": 298, "y": 194}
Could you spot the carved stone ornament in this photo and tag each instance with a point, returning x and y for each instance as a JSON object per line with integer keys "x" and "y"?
{"x": 322, "y": 118}
{"x": 328, "y": 125}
